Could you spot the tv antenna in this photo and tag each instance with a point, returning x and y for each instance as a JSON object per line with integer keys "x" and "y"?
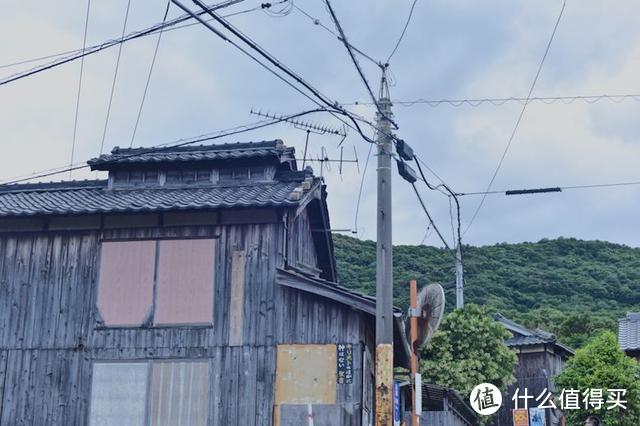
{"x": 324, "y": 160}
{"x": 319, "y": 129}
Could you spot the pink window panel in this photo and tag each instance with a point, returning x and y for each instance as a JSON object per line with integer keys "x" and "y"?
{"x": 125, "y": 289}
{"x": 185, "y": 282}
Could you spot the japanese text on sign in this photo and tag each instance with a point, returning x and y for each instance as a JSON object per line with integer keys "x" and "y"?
{"x": 345, "y": 363}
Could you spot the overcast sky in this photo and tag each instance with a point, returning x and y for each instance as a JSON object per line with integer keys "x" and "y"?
{"x": 461, "y": 49}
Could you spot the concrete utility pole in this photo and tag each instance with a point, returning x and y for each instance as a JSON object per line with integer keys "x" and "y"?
{"x": 459, "y": 279}
{"x": 384, "y": 264}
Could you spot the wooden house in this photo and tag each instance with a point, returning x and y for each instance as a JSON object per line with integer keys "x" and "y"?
{"x": 194, "y": 286}
{"x": 629, "y": 334}
{"x": 540, "y": 357}
{"x": 442, "y": 406}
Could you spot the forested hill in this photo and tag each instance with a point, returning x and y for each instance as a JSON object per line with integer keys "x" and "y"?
{"x": 571, "y": 287}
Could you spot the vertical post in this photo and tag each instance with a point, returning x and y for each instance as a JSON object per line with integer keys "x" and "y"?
{"x": 459, "y": 279}
{"x": 413, "y": 324}
{"x": 384, "y": 273}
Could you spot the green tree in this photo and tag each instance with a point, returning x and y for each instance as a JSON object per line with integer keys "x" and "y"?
{"x": 601, "y": 364}
{"x": 468, "y": 350}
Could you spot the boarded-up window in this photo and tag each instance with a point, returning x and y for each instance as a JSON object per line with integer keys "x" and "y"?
{"x": 176, "y": 394}
{"x": 306, "y": 374}
{"x": 126, "y": 281}
{"x": 179, "y": 393}
{"x": 185, "y": 282}
{"x": 118, "y": 394}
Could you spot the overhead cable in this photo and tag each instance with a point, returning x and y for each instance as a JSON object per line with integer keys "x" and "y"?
{"x": 404, "y": 30}
{"x": 346, "y": 44}
{"x": 115, "y": 76}
{"x": 175, "y": 144}
{"x": 590, "y": 99}
{"x": 549, "y": 189}
{"x": 146, "y": 86}
{"x": 321, "y": 100}
{"x": 519, "y": 120}
{"x": 75, "y": 120}
{"x": 319, "y": 23}
{"x": 168, "y": 27}
{"x": 78, "y": 54}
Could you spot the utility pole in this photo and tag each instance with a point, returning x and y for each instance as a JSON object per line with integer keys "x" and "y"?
{"x": 384, "y": 264}
{"x": 459, "y": 279}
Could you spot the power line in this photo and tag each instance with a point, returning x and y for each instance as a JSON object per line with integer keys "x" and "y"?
{"x": 146, "y": 86}
{"x": 589, "y": 99}
{"x": 78, "y": 54}
{"x": 346, "y": 44}
{"x": 75, "y": 120}
{"x": 549, "y": 189}
{"x": 519, "y": 120}
{"x": 334, "y": 107}
{"x": 404, "y": 30}
{"x": 319, "y": 23}
{"x": 424, "y": 207}
{"x": 168, "y": 27}
{"x": 115, "y": 76}
{"x": 169, "y": 145}
{"x": 364, "y": 174}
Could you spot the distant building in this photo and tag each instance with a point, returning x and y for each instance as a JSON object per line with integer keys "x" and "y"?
{"x": 540, "y": 357}
{"x": 444, "y": 406}
{"x": 195, "y": 286}
{"x": 629, "y": 334}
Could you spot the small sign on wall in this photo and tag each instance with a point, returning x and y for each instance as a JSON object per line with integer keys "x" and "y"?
{"x": 344, "y": 363}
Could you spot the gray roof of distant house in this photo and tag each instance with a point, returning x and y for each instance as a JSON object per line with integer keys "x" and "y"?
{"x": 523, "y": 336}
{"x": 629, "y": 332}
{"x": 91, "y": 197}
{"x": 274, "y": 149}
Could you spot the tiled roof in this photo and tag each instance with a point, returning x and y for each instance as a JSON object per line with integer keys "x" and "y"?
{"x": 629, "y": 332}
{"x": 523, "y": 336}
{"x": 263, "y": 150}
{"x": 68, "y": 198}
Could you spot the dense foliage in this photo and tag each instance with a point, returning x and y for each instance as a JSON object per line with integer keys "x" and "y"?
{"x": 468, "y": 350}
{"x": 570, "y": 287}
{"x": 601, "y": 364}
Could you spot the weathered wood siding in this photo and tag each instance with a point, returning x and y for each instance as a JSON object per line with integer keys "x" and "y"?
{"x": 50, "y": 335}
{"x": 301, "y": 250}
{"x": 306, "y": 318}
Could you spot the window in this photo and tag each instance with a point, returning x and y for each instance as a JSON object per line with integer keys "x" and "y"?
{"x": 135, "y": 177}
{"x": 166, "y": 282}
{"x": 242, "y": 173}
{"x": 175, "y": 177}
{"x": 149, "y": 393}
{"x": 185, "y": 282}
{"x": 203, "y": 175}
{"x": 118, "y": 394}
{"x": 126, "y": 281}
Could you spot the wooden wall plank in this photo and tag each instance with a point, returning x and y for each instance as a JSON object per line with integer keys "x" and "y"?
{"x": 236, "y": 305}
